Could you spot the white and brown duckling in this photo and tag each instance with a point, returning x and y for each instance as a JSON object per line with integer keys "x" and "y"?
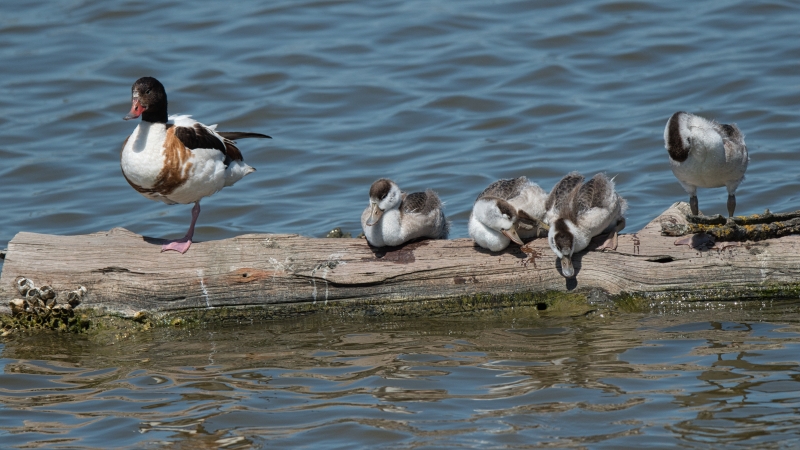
{"x": 394, "y": 217}
{"x": 561, "y": 195}
{"x": 508, "y": 210}
{"x": 707, "y": 154}
{"x": 578, "y": 212}
{"x": 176, "y": 159}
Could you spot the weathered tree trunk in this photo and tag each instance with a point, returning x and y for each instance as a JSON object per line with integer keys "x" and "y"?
{"x": 125, "y": 273}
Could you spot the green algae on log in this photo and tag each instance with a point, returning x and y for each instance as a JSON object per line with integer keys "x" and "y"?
{"x": 272, "y": 276}
{"x": 757, "y": 227}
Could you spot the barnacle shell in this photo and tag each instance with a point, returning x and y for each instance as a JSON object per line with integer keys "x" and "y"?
{"x": 47, "y": 293}
{"x": 23, "y": 285}
{"x": 32, "y": 293}
{"x": 17, "y": 306}
{"x": 74, "y": 298}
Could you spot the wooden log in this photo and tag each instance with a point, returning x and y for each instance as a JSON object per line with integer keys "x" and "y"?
{"x": 125, "y": 273}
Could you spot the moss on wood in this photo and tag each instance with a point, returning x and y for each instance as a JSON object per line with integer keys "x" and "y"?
{"x": 756, "y": 227}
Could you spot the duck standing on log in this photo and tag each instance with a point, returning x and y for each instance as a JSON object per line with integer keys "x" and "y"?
{"x": 707, "y": 154}
{"x": 178, "y": 162}
{"x": 394, "y": 217}
{"x": 507, "y": 210}
{"x": 578, "y": 211}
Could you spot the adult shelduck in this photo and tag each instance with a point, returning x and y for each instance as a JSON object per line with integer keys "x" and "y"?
{"x": 176, "y": 159}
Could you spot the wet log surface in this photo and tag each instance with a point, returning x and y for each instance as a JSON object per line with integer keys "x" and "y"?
{"x": 125, "y": 273}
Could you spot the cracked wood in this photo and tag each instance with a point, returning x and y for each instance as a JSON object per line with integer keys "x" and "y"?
{"x": 260, "y": 269}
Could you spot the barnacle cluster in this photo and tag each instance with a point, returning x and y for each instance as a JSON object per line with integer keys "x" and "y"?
{"x": 40, "y": 308}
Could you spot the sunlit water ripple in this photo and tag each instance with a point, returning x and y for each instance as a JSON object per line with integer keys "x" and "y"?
{"x": 446, "y": 95}
{"x": 728, "y": 375}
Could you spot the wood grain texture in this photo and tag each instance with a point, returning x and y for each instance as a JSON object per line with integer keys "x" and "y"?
{"x": 125, "y": 273}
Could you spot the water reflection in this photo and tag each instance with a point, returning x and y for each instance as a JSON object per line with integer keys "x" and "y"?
{"x": 519, "y": 380}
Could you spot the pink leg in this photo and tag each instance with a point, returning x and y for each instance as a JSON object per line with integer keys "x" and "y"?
{"x": 182, "y": 244}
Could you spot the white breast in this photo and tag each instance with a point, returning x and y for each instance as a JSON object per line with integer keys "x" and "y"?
{"x": 143, "y": 157}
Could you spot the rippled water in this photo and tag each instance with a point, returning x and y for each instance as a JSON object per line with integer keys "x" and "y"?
{"x": 447, "y": 95}
{"x": 727, "y": 375}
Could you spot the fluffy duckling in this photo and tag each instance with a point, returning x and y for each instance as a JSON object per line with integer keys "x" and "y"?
{"x": 707, "y": 154}
{"x": 394, "y": 217}
{"x": 508, "y": 210}
{"x": 578, "y": 212}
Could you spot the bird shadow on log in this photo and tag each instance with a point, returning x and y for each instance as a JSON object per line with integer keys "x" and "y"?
{"x": 158, "y": 241}
{"x": 597, "y": 243}
{"x": 401, "y": 254}
{"x": 512, "y": 250}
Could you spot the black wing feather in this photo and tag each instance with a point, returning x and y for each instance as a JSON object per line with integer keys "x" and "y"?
{"x": 234, "y": 135}
{"x": 198, "y": 136}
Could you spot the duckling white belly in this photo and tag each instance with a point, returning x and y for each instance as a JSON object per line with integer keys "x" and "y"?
{"x": 598, "y": 220}
{"x": 709, "y": 169}
{"x": 394, "y": 228}
{"x": 485, "y": 236}
{"x": 386, "y": 231}
{"x": 374, "y": 235}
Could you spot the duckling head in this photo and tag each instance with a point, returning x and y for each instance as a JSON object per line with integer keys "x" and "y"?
{"x": 498, "y": 215}
{"x": 562, "y": 240}
{"x": 383, "y": 194}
